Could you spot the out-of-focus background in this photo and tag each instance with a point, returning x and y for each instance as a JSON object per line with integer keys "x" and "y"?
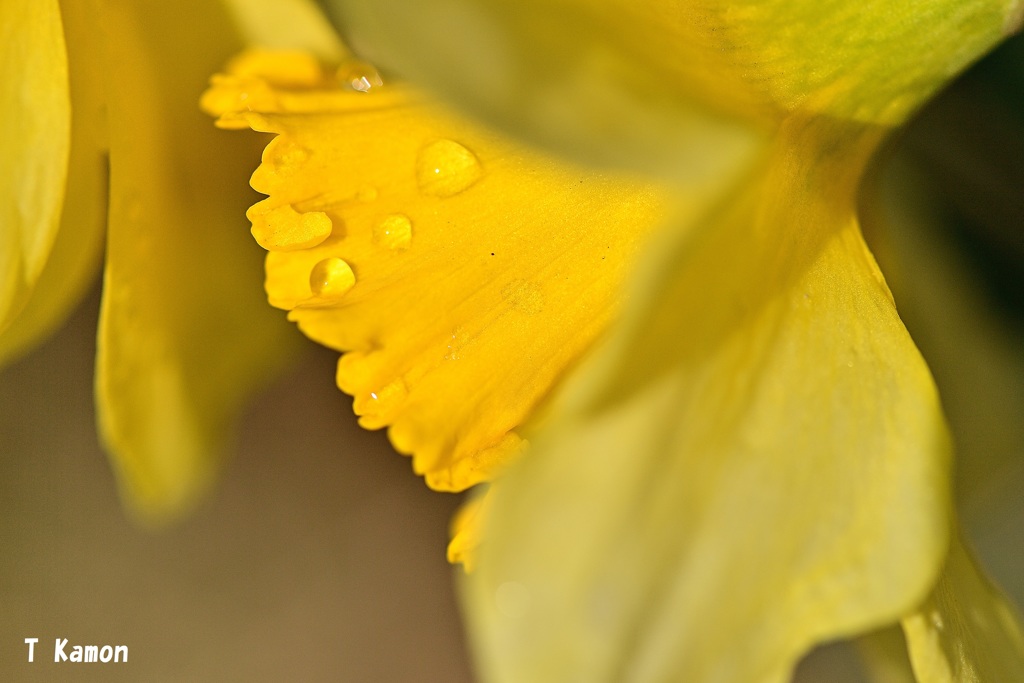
{"x": 321, "y": 556}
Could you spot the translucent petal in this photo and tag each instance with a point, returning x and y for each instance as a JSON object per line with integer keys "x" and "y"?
{"x": 461, "y": 273}
{"x": 755, "y": 461}
{"x": 183, "y": 336}
{"x": 965, "y": 632}
{"x": 635, "y": 82}
{"x": 35, "y": 139}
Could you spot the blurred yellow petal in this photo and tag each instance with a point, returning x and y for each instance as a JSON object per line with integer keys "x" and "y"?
{"x": 972, "y": 347}
{"x": 75, "y": 257}
{"x": 286, "y": 24}
{"x": 578, "y": 77}
{"x": 965, "y": 632}
{"x": 755, "y": 462}
{"x": 466, "y": 529}
{"x": 183, "y": 338}
{"x": 635, "y": 83}
{"x": 35, "y": 139}
{"x": 461, "y": 274}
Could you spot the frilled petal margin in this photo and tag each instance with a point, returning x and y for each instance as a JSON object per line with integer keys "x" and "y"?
{"x": 183, "y": 337}
{"x": 35, "y": 138}
{"x": 460, "y": 274}
{"x": 756, "y": 461}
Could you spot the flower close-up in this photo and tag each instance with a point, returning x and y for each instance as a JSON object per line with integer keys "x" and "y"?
{"x": 602, "y": 265}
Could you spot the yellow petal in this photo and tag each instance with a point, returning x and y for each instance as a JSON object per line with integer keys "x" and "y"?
{"x": 461, "y": 274}
{"x": 35, "y": 139}
{"x": 183, "y": 335}
{"x": 756, "y": 460}
{"x": 75, "y": 256}
{"x": 581, "y": 79}
{"x": 633, "y": 82}
{"x": 286, "y": 24}
{"x": 948, "y": 310}
{"x": 467, "y": 529}
{"x": 965, "y": 632}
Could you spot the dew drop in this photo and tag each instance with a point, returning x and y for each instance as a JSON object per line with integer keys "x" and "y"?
{"x": 282, "y": 228}
{"x": 359, "y": 76}
{"x": 394, "y": 232}
{"x": 376, "y": 407}
{"x": 445, "y": 168}
{"x": 456, "y": 344}
{"x": 331, "y": 278}
{"x": 524, "y": 296}
{"x": 288, "y": 157}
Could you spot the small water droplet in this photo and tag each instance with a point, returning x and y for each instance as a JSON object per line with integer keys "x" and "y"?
{"x": 282, "y": 228}
{"x": 394, "y": 232}
{"x": 456, "y": 344}
{"x": 358, "y": 75}
{"x": 366, "y": 193}
{"x": 375, "y": 408}
{"x": 288, "y": 157}
{"x": 445, "y": 168}
{"x": 331, "y": 278}
{"x": 524, "y": 296}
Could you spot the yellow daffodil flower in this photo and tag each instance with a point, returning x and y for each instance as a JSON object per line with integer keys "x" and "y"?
{"x": 753, "y": 458}
{"x": 103, "y": 145}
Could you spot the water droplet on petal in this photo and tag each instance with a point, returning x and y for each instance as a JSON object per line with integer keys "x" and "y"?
{"x": 287, "y": 157}
{"x": 394, "y": 232}
{"x": 358, "y": 75}
{"x": 376, "y": 408}
{"x": 331, "y": 278}
{"x": 456, "y": 345}
{"x": 366, "y": 193}
{"x": 445, "y": 168}
{"x": 524, "y": 296}
{"x": 282, "y": 228}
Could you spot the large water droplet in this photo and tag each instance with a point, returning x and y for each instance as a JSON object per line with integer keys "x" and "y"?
{"x": 394, "y": 232}
{"x": 282, "y": 228}
{"x": 331, "y": 278}
{"x": 358, "y": 75}
{"x": 445, "y": 168}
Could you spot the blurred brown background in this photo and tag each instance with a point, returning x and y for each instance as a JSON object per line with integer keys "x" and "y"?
{"x": 320, "y": 557}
